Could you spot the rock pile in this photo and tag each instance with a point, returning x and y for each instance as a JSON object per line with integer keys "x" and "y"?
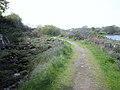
{"x": 14, "y": 66}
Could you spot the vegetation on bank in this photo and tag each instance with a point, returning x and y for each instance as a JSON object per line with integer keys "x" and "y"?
{"x": 46, "y": 80}
{"x": 107, "y": 64}
{"x": 96, "y": 35}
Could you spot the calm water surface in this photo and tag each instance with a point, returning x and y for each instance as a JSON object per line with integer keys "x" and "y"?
{"x": 113, "y": 37}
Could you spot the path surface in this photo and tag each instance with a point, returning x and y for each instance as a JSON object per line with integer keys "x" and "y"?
{"x": 84, "y": 78}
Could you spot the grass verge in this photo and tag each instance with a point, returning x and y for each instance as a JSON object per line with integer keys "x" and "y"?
{"x": 47, "y": 80}
{"x": 109, "y": 69}
{"x": 65, "y": 80}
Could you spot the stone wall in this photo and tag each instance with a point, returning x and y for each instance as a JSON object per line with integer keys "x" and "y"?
{"x": 4, "y": 41}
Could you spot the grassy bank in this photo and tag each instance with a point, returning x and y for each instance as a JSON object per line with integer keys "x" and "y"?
{"x": 108, "y": 68}
{"x": 65, "y": 80}
{"x": 48, "y": 78}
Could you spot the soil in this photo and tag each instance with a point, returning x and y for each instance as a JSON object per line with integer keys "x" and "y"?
{"x": 86, "y": 77}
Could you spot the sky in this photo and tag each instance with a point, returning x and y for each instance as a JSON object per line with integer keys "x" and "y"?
{"x": 67, "y": 13}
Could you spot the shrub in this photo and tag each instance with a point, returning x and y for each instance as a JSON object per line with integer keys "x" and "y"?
{"x": 50, "y": 30}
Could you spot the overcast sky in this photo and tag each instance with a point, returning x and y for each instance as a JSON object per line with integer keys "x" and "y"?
{"x": 67, "y": 13}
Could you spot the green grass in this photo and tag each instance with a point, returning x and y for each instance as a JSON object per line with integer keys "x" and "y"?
{"x": 65, "y": 80}
{"x": 109, "y": 69}
{"x": 47, "y": 80}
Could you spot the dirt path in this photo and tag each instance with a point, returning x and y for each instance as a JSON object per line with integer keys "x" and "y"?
{"x": 86, "y": 74}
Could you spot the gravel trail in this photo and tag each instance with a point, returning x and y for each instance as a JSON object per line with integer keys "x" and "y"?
{"x": 85, "y": 79}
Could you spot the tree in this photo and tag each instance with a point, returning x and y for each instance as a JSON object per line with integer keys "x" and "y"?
{"x": 111, "y": 29}
{"x": 93, "y": 29}
{"x": 50, "y": 30}
{"x": 14, "y": 17}
{"x": 3, "y": 6}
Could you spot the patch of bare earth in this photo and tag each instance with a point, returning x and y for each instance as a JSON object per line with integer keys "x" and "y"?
{"x": 87, "y": 75}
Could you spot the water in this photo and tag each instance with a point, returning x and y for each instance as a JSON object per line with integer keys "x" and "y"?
{"x": 113, "y": 37}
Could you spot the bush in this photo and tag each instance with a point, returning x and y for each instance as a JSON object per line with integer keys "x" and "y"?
{"x": 50, "y": 30}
